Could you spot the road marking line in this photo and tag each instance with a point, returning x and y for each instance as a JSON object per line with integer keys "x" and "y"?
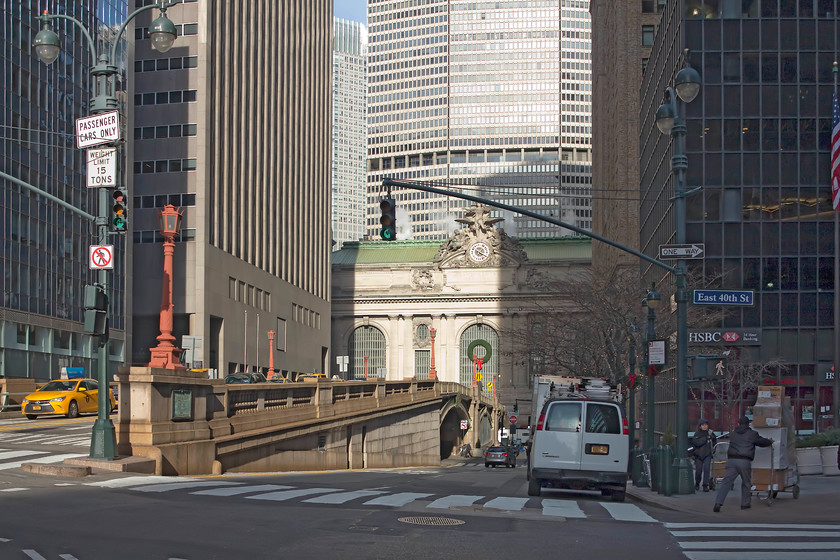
{"x": 182, "y": 485}
{"x": 130, "y": 481}
{"x": 508, "y": 504}
{"x": 67, "y": 557}
{"x": 745, "y": 555}
{"x": 289, "y": 494}
{"x": 14, "y": 489}
{"x": 762, "y": 545}
{"x": 562, "y": 508}
{"x": 720, "y": 534}
{"x": 342, "y": 497}
{"x": 396, "y": 500}
{"x": 454, "y": 500}
{"x": 40, "y": 460}
{"x": 32, "y": 554}
{"x": 241, "y": 490}
{"x": 19, "y": 453}
{"x": 774, "y": 526}
{"x": 628, "y": 512}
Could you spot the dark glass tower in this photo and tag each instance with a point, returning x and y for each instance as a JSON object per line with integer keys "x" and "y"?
{"x": 758, "y": 142}
{"x": 45, "y": 246}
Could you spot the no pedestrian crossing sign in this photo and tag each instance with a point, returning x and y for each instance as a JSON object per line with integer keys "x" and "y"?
{"x": 101, "y": 257}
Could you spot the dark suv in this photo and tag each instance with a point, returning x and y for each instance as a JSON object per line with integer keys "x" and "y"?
{"x": 246, "y": 377}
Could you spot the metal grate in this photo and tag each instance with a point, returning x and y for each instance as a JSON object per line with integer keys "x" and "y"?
{"x": 439, "y": 521}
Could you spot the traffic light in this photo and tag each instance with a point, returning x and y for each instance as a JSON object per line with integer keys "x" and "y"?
{"x": 96, "y": 311}
{"x": 388, "y": 219}
{"x": 120, "y": 214}
{"x": 516, "y": 406}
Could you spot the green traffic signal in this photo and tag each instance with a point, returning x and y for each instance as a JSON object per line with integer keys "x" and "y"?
{"x": 388, "y": 219}
{"x": 120, "y": 214}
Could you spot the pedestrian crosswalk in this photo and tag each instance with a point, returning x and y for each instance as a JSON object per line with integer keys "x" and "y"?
{"x": 756, "y": 541}
{"x": 14, "y": 458}
{"x": 381, "y": 497}
{"x": 75, "y": 436}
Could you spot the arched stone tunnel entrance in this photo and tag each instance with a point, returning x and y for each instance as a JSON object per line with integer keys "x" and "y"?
{"x": 451, "y": 434}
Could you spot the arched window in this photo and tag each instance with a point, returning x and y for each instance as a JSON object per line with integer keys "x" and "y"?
{"x": 482, "y": 335}
{"x": 366, "y": 341}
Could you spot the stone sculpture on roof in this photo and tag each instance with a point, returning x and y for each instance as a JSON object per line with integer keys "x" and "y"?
{"x": 479, "y": 243}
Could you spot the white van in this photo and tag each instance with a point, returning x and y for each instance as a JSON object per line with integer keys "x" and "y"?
{"x": 580, "y": 444}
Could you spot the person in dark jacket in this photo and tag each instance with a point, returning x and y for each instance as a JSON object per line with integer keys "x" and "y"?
{"x": 703, "y": 443}
{"x": 742, "y": 443}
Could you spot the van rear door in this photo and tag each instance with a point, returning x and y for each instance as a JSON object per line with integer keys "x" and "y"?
{"x": 558, "y": 446}
{"x": 604, "y": 445}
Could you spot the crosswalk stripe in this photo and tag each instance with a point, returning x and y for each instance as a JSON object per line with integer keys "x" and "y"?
{"x": 627, "y": 512}
{"x": 130, "y": 481}
{"x": 181, "y": 485}
{"x": 343, "y": 497}
{"x": 509, "y": 504}
{"x": 765, "y": 555}
{"x": 718, "y": 534}
{"x": 454, "y": 500}
{"x": 236, "y": 490}
{"x": 774, "y": 526}
{"x": 19, "y": 453}
{"x": 13, "y": 489}
{"x": 763, "y": 545}
{"x": 562, "y": 508}
{"x": 41, "y": 460}
{"x": 289, "y": 494}
{"x": 396, "y": 500}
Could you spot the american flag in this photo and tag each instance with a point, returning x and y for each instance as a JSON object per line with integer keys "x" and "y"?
{"x": 835, "y": 155}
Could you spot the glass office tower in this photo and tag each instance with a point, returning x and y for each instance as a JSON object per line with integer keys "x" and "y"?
{"x": 45, "y": 246}
{"x": 495, "y": 96}
{"x": 758, "y": 145}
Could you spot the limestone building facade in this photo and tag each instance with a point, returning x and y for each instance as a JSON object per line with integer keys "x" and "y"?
{"x": 408, "y": 309}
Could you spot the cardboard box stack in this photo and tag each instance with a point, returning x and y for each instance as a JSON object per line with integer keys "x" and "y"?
{"x": 773, "y": 418}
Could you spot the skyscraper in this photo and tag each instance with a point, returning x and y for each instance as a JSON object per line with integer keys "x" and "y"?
{"x": 758, "y": 142}
{"x": 44, "y": 245}
{"x": 496, "y": 96}
{"x": 233, "y": 126}
{"x": 349, "y": 163}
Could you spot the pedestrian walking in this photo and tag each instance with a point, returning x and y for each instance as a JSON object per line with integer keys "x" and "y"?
{"x": 703, "y": 443}
{"x": 742, "y": 443}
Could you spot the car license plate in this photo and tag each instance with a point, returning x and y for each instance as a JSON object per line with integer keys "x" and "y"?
{"x": 36, "y": 408}
{"x": 598, "y": 449}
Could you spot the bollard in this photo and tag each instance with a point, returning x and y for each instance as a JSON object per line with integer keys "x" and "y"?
{"x": 668, "y": 474}
{"x": 654, "y": 469}
{"x": 636, "y": 468}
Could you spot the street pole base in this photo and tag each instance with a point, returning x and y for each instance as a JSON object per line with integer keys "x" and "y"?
{"x": 685, "y": 476}
{"x": 103, "y": 441}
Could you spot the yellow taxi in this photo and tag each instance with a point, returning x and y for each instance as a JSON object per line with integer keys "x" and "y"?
{"x": 65, "y": 396}
{"x": 311, "y": 377}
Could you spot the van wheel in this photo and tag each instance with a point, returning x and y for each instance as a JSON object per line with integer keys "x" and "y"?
{"x": 533, "y": 487}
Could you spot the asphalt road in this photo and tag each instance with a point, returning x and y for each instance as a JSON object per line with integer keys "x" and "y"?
{"x": 457, "y": 510}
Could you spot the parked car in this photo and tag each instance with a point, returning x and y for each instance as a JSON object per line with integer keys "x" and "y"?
{"x": 245, "y": 377}
{"x": 311, "y": 376}
{"x": 279, "y": 379}
{"x": 499, "y": 455}
{"x": 65, "y": 396}
{"x": 580, "y": 445}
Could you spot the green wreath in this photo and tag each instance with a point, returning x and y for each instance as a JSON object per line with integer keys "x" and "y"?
{"x": 484, "y": 344}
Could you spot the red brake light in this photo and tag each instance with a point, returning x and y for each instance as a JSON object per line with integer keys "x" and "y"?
{"x": 624, "y": 426}
{"x": 540, "y": 422}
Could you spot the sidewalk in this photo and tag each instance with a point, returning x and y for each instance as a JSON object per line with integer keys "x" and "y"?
{"x": 818, "y": 501}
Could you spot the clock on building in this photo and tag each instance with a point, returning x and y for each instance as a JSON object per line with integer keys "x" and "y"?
{"x": 479, "y": 252}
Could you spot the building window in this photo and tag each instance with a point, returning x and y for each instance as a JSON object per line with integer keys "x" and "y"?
{"x": 366, "y": 348}
{"x": 647, "y": 35}
{"x": 487, "y": 376}
{"x": 422, "y": 363}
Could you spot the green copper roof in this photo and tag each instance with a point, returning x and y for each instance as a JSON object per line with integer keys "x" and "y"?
{"x": 397, "y": 252}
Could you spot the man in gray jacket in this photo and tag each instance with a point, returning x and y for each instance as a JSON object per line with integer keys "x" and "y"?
{"x": 742, "y": 443}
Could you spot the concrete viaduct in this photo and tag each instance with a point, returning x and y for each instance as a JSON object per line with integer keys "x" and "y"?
{"x": 190, "y": 425}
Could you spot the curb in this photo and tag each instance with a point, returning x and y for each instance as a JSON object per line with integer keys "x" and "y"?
{"x": 57, "y": 469}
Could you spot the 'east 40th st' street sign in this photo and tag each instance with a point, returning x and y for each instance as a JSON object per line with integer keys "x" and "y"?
{"x": 723, "y": 297}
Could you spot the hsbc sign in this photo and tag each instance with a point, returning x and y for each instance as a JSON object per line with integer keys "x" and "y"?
{"x": 726, "y": 337}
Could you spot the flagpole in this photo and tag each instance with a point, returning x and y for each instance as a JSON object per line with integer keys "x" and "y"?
{"x": 836, "y": 385}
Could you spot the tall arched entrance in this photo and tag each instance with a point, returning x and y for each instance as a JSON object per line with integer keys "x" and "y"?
{"x": 366, "y": 348}
{"x": 479, "y": 341}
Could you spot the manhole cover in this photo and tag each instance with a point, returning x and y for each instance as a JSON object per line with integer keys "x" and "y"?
{"x": 441, "y": 521}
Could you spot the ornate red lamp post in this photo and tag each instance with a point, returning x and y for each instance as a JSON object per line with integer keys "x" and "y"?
{"x": 432, "y": 370}
{"x": 165, "y": 354}
{"x": 270, "y": 354}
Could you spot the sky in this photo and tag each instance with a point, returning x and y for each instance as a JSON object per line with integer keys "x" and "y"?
{"x": 355, "y": 10}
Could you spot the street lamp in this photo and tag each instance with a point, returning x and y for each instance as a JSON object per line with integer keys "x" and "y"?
{"x": 166, "y": 354}
{"x": 651, "y": 302}
{"x": 669, "y": 120}
{"x": 47, "y": 46}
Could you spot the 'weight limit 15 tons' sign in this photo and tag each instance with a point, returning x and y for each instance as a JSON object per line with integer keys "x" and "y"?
{"x": 101, "y": 167}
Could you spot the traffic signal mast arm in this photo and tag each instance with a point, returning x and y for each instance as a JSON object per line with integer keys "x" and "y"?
{"x": 388, "y": 182}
